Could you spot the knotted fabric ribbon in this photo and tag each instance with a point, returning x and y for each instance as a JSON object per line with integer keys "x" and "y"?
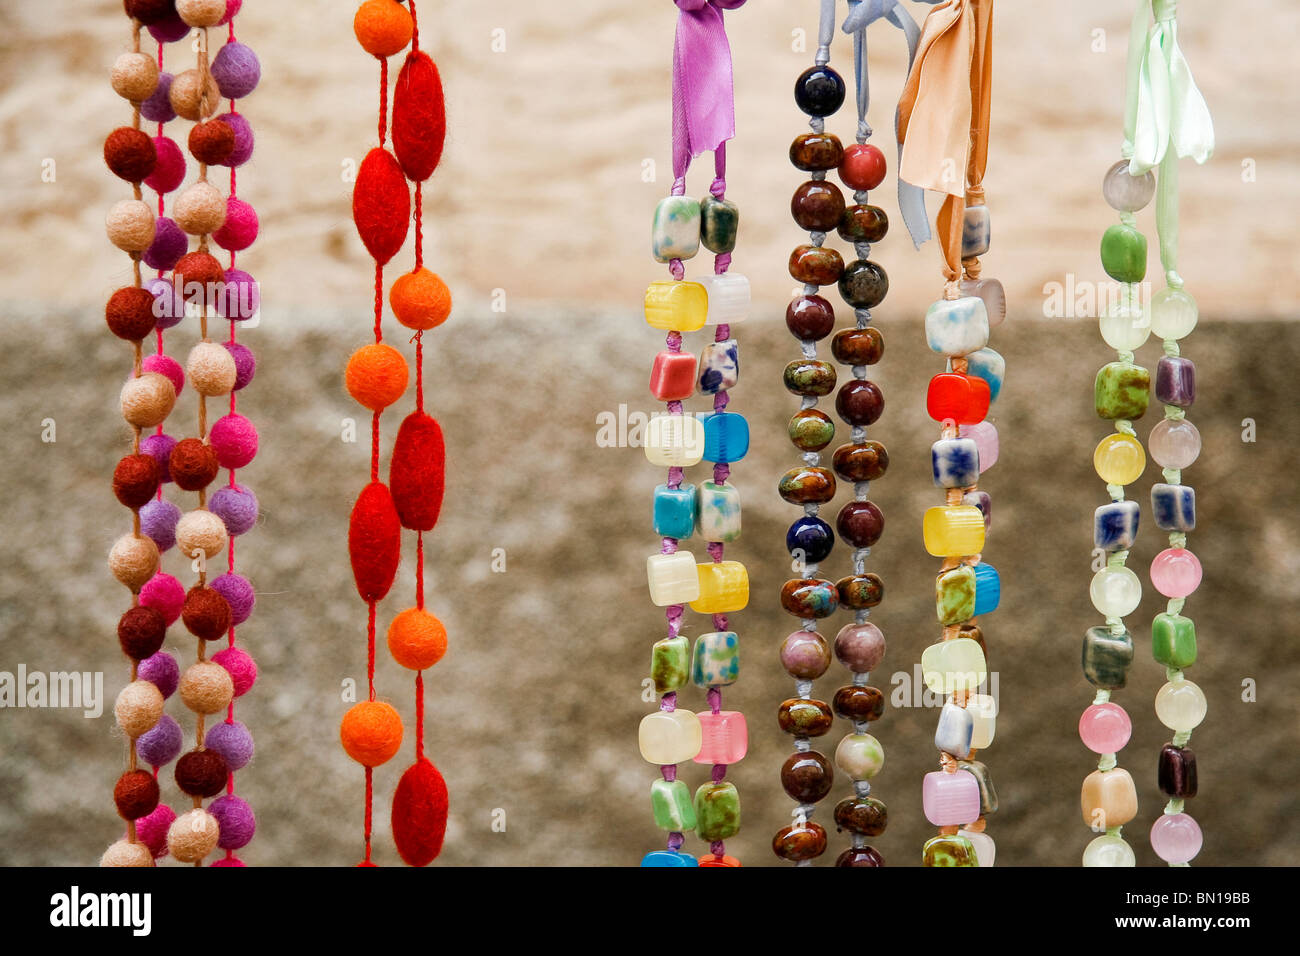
{"x": 704, "y": 108}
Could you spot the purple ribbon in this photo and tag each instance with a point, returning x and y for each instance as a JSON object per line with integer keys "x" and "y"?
{"x": 704, "y": 108}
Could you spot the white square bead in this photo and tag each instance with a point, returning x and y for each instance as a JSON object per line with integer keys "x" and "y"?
{"x": 957, "y": 327}
{"x": 673, "y": 578}
{"x": 676, "y": 230}
{"x": 674, "y": 441}
{"x": 669, "y": 737}
{"x": 718, "y": 516}
{"x": 728, "y": 298}
{"x": 984, "y": 709}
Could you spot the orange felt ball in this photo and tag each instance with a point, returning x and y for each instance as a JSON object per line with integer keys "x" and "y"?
{"x": 371, "y": 732}
{"x": 383, "y": 27}
{"x": 417, "y": 639}
{"x": 420, "y": 299}
{"x": 376, "y": 376}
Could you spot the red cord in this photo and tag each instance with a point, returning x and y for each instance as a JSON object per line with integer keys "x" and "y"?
{"x": 370, "y": 799}
{"x": 419, "y": 715}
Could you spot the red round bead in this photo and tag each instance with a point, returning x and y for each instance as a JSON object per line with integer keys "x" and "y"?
{"x": 963, "y": 398}
{"x": 863, "y": 166}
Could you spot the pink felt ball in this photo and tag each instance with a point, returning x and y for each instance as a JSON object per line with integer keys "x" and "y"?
{"x": 232, "y": 10}
{"x": 236, "y": 70}
{"x": 162, "y": 671}
{"x": 243, "y": 138}
{"x": 234, "y": 438}
{"x": 169, "y": 168}
{"x": 168, "y": 305}
{"x": 164, "y": 592}
{"x": 228, "y": 861}
{"x": 152, "y": 829}
{"x": 240, "y": 228}
{"x": 1105, "y": 728}
{"x": 159, "y": 448}
{"x": 169, "y": 244}
{"x": 240, "y": 665}
{"x": 239, "y": 297}
{"x": 158, "y": 107}
{"x": 167, "y": 367}
{"x": 245, "y": 363}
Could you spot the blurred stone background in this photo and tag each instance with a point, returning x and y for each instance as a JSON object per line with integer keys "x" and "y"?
{"x": 540, "y": 198}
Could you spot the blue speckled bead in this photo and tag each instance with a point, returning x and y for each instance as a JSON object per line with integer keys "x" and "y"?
{"x": 982, "y": 501}
{"x": 716, "y": 660}
{"x": 956, "y": 327}
{"x": 726, "y": 437}
{"x": 1173, "y": 507}
{"x": 1115, "y": 525}
{"x": 676, "y": 230}
{"x": 674, "y": 512}
{"x": 955, "y": 462}
{"x": 976, "y": 231}
{"x": 668, "y": 858}
{"x": 718, "y": 512}
{"x": 719, "y": 366}
{"x": 988, "y": 589}
{"x": 812, "y": 536}
{"x": 956, "y": 727}
{"x": 990, "y": 366}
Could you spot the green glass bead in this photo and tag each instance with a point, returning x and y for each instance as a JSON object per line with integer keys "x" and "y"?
{"x": 671, "y": 802}
{"x": 719, "y": 222}
{"x": 948, "y": 851}
{"x": 988, "y": 796}
{"x": 809, "y": 377}
{"x": 954, "y": 595}
{"x": 1173, "y": 640}
{"x": 811, "y": 430}
{"x": 1124, "y": 253}
{"x": 1106, "y": 657}
{"x": 670, "y": 663}
{"x": 717, "y": 811}
{"x": 1121, "y": 390}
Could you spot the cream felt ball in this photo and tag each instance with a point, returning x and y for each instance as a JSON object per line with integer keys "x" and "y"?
{"x": 200, "y": 532}
{"x": 138, "y": 707}
{"x": 147, "y": 399}
{"x": 123, "y": 853}
{"x": 193, "y": 835}
{"x": 130, "y": 225}
{"x": 187, "y": 95}
{"x": 200, "y": 209}
{"x": 201, "y": 13}
{"x": 206, "y": 687}
{"x": 133, "y": 560}
{"x": 135, "y": 76}
{"x": 211, "y": 369}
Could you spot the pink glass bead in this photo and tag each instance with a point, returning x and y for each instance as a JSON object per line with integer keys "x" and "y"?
{"x": 950, "y": 798}
{"x": 1176, "y": 572}
{"x": 986, "y": 440}
{"x": 1176, "y": 838}
{"x": 1105, "y": 728}
{"x": 726, "y": 738}
{"x": 1174, "y": 444}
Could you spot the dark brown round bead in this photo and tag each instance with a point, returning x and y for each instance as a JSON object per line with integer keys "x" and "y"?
{"x": 135, "y": 794}
{"x": 809, "y": 317}
{"x": 816, "y": 265}
{"x": 211, "y": 142}
{"x": 130, "y": 153}
{"x": 192, "y": 464}
{"x": 201, "y": 773}
{"x": 813, "y": 152}
{"x": 135, "y": 480}
{"x": 864, "y": 284}
{"x": 807, "y": 777}
{"x": 809, "y": 377}
{"x": 809, "y": 597}
{"x": 858, "y": 346}
{"x": 858, "y": 591}
{"x": 860, "y": 856}
{"x": 129, "y": 313}
{"x": 800, "y": 842}
{"x": 817, "y": 205}
{"x": 865, "y": 815}
{"x": 804, "y": 718}
{"x": 140, "y": 632}
{"x": 807, "y": 485}
{"x": 865, "y": 461}
{"x": 860, "y": 523}
{"x": 206, "y": 613}
{"x": 863, "y": 224}
{"x": 860, "y": 402}
{"x": 855, "y": 702}
{"x": 811, "y": 429}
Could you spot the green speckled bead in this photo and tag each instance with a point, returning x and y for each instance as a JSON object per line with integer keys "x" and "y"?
{"x": 988, "y": 796}
{"x": 954, "y": 595}
{"x": 719, "y": 222}
{"x": 1124, "y": 253}
{"x": 670, "y": 661}
{"x": 717, "y": 811}
{"x": 811, "y": 429}
{"x": 865, "y": 815}
{"x": 1173, "y": 640}
{"x": 1106, "y": 658}
{"x": 858, "y": 591}
{"x": 863, "y": 224}
{"x": 948, "y": 851}
{"x": 807, "y": 485}
{"x": 809, "y": 377}
{"x": 804, "y": 717}
{"x": 1121, "y": 391}
{"x": 816, "y": 265}
{"x": 671, "y": 802}
{"x": 809, "y": 597}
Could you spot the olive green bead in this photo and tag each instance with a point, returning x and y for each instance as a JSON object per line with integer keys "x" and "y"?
{"x": 1173, "y": 640}
{"x": 809, "y": 377}
{"x": 1124, "y": 253}
{"x": 717, "y": 811}
{"x": 954, "y": 595}
{"x": 1122, "y": 390}
{"x": 670, "y": 664}
{"x": 719, "y": 222}
{"x": 948, "y": 851}
{"x": 811, "y": 430}
{"x": 1106, "y": 657}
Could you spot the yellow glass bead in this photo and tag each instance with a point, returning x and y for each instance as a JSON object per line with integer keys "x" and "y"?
{"x": 674, "y": 441}
{"x": 1109, "y": 799}
{"x": 667, "y": 737}
{"x": 1119, "y": 459}
{"x": 724, "y": 587}
{"x": 953, "y": 530}
{"x": 683, "y": 306}
{"x": 953, "y": 665}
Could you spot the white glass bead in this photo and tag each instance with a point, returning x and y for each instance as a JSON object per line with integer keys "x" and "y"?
{"x": 674, "y": 441}
{"x": 1174, "y": 444}
{"x": 957, "y": 327}
{"x": 1124, "y": 327}
{"x": 668, "y": 737}
{"x": 985, "y": 850}
{"x": 983, "y": 709}
{"x": 1109, "y": 850}
{"x": 1180, "y": 705}
{"x": 1125, "y": 192}
{"x": 1173, "y": 313}
{"x": 728, "y": 298}
{"x": 673, "y": 578}
{"x": 1115, "y": 592}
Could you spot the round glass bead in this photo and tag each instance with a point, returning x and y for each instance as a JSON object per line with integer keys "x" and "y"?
{"x": 807, "y": 485}
{"x": 809, "y": 597}
{"x": 864, "y": 284}
{"x": 809, "y": 377}
{"x": 1119, "y": 459}
{"x": 1173, "y": 313}
{"x": 805, "y": 655}
{"x": 1105, "y": 728}
{"x": 864, "y": 461}
{"x": 1176, "y": 838}
{"x": 807, "y": 777}
{"x": 1175, "y": 443}
{"x": 863, "y": 223}
{"x": 1109, "y": 850}
{"x": 804, "y": 718}
{"x": 809, "y": 317}
{"x": 1175, "y": 572}
{"x": 1180, "y": 706}
{"x": 1115, "y": 592}
{"x": 811, "y": 429}
{"x": 860, "y": 756}
{"x": 858, "y": 346}
{"x": 1125, "y": 192}
{"x": 863, "y": 166}
{"x": 859, "y": 591}
{"x": 816, "y": 265}
{"x": 860, "y": 523}
{"x": 860, "y": 647}
{"x": 860, "y": 856}
{"x": 865, "y": 815}
{"x": 817, "y": 206}
{"x": 1124, "y": 327}
{"x": 813, "y": 152}
{"x": 819, "y": 91}
{"x": 810, "y": 538}
{"x": 857, "y": 702}
{"x": 800, "y": 841}
{"x": 859, "y": 402}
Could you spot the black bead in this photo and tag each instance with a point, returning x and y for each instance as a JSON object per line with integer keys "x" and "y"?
{"x": 863, "y": 284}
{"x": 819, "y": 91}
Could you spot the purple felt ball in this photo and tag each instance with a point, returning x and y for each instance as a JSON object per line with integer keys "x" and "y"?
{"x": 160, "y": 745}
{"x": 162, "y": 671}
{"x": 243, "y": 138}
{"x": 159, "y": 448}
{"x": 169, "y": 243}
{"x": 236, "y": 70}
{"x": 168, "y": 30}
{"x": 232, "y": 740}
{"x": 238, "y": 592}
{"x": 168, "y": 304}
{"x": 240, "y": 297}
{"x": 235, "y": 821}
{"x": 245, "y": 363}
{"x": 236, "y": 506}
{"x": 158, "y": 107}
{"x": 158, "y": 521}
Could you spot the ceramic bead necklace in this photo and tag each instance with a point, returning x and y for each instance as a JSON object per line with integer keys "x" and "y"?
{"x": 1158, "y": 130}
{"x": 703, "y": 119}
{"x": 944, "y": 115}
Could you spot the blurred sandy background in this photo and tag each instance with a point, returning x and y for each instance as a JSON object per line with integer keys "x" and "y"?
{"x": 534, "y": 710}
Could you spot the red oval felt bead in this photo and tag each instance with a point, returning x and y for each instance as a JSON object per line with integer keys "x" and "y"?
{"x": 381, "y": 204}
{"x": 419, "y": 117}
{"x": 374, "y": 541}
{"x": 963, "y": 398}
{"x": 417, "y": 473}
{"x": 420, "y": 813}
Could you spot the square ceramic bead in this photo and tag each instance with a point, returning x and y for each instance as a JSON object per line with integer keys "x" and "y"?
{"x": 719, "y": 367}
{"x": 953, "y": 734}
{"x": 727, "y": 298}
{"x": 954, "y": 595}
{"x": 669, "y": 736}
{"x": 674, "y": 511}
{"x": 950, "y": 799}
{"x": 955, "y": 462}
{"x": 957, "y": 327}
{"x": 944, "y": 850}
{"x": 723, "y": 587}
{"x": 672, "y": 376}
{"x": 669, "y": 662}
{"x": 1115, "y": 525}
{"x": 1109, "y": 799}
{"x": 671, "y": 803}
{"x": 717, "y": 659}
{"x": 719, "y": 223}
{"x": 953, "y": 530}
{"x": 718, "y": 515}
{"x": 1176, "y": 381}
{"x": 673, "y": 578}
{"x": 668, "y": 858}
{"x": 674, "y": 441}
{"x": 676, "y": 230}
{"x": 988, "y": 796}
{"x": 953, "y": 665}
{"x": 976, "y": 231}
{"x": 726, "y": 437}
{"x": 717, "y": 811}
{"x": 988, "y": 589}
{"x": 1173, "y": 507}
{"x": 985, "y": 849}
{"x": 725, "y": 738}
{"x": 680, "y": 306}
{"x": 1121, "y": 391}
{"x": 990, "y": 366}
{"x": 1106, "y": 657}
{"x": 983, "y": 709}
{"x": 1173, "y": 640}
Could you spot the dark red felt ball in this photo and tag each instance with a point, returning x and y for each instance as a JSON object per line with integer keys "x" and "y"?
{"x": 419, "y": 117}
{"x": 141, "y": 631}
{"x": 198, "y": 276}
{"x": 381, "y": 204}
{"x": 212, "y": 142}
{"x": 136, "y": 794}
{"x": 420, "y": 813}
{"x": 201, "y": 773}
{"x": 192, "y": 464}
{"x": 417, "y": 472}
{"x": 374, "y": 541}
{"x": 149, "y": 11}
{"x": 135, "y": 480}
{"x": 206, "y": 613}
{"x": 130, "y": 154}
{"x": 129, "y": 313}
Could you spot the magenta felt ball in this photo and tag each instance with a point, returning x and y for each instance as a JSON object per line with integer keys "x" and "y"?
{"x": 243, "y": 138}
{"x": 158, "y": 107}
{"x": 159, "y": 448}
{"x": 158, "y": 521}
{"x": 164, "y": 592}
{"x": 235, "y": 820}
{"x": 236, "y": 70}
{"x": 152, "y": 829}
{"x": 167, "y": 367}
{"x": 162, "y": 671}
{"x": 169, "y": 244}
{"x": 169, "y": 169}
{"x": 240, "y": 227}
{"x": 236, "y": 506}
{"x": 238, "y": 592}
{"x": 159, "y": 746}
{"x": 232, "y": 10}
{"x": 168, "y": 304}
{"x": 245, "y": 363}
{"x": 240, "y": 296}
{"x": 241, "y": 666}
{"x": 234, "y": 438}
{"x": 169, "y": 29}
{"x": 232, "y": 740}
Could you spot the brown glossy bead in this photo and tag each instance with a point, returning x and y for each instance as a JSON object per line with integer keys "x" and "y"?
{"x": 864, "y": 284}
{"x": 807, "y": 485}
{"x": 858, "y": 346}
{"x": 809, "y": 317}
{"x": 804, "y": 718}
{"x": 811, "y": 429}
{"x": 813, "y": 152}
{"x": 860, "y": 856}
{"x": 799, "y": 842}
{"x": 858, "y": 591}
{"x": 865, "y": 461}
{"x": 809, "y": 597}
{"x": 860, "y": 524}
{"x": 809, "y": 377}
{"x": 973, "y": 632}
{"x": 863, "y": 224}
{"x": 860, "y": 402}
{"x": 817, "y": 205}
{"x": 816, "y": 265}
{"x": 865, "y": 815}
{"x": 1176, "y": 773}
{"x": 807, "y": 777}
{"x": 855, "y": 702}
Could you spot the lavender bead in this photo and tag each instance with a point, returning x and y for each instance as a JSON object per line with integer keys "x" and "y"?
{"x": 158, "y": 107}
{"x": 232, "y": 740}
{"x": 168, "y": 305}
{"x": 236, "y": 70}
{"x": 235, "y": 821}
{"x": 158, "y": 521}
{"x": 159, "y": 448}
{"x": 236, "y": 506}
{"x": 245, "y": 363}
{"x": 240, "y": 297}
{"x": 160, "y": 745}
{"x": 162, "y": 671}
{"x": 238, "y": 592}
{"x": 1176, "y": 838}
{"x": 982, "y": 501}
{"x": 243, "y": 138}
{"x": 169, "y": 243}
{"x": 1176, "y": 381}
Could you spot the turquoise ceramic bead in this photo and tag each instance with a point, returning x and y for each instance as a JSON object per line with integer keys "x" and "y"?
{"x": 718, "y": 512}
{"x": 717, "y": 659}
{"x": 726, "y": 437}
{"x": 675, "y": 510}
{"x": 990, "y": 366}
{"x": 976, "y": 231}
{"x": 953, "y": 735}
{"x": 668, "y": 858}
{"x": 676, "y": 230}
{"x": 1173, "y": 507}
{"x": 955, "y": 462}
{"x": 988, "y": 589}
{"x": 957, "y": 327}
{"x": 1115, "y": 525}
